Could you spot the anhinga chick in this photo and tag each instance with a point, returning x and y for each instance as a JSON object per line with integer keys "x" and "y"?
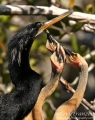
{"x": 15, "y": 106}
{"x": 58, "y": 59}
{"x": 65, "y": 110}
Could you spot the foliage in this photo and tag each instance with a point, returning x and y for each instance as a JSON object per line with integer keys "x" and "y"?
{"x": 38, "y": 53}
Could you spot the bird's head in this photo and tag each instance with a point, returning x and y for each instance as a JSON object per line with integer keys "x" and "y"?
{"x": 21, "y": 42}
{"x": 28, "y": 34}
{"x": 73, "y": 59}
{"x": 51, "y": 43}
{"x": 47, "y": 24}
{"x": 58, "y": 59}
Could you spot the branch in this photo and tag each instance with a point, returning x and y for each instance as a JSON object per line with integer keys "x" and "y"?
{"x": 42, "y": 10}
{"x": 30, "y": 10}
{"x": 6, "y": 89}
{"x": 51, "y": 104}
{"x": 88, "y": 19}
{"x": 94, "y": 106}
{"x": 68, "y": 87}
{"x": 88, "y": 56}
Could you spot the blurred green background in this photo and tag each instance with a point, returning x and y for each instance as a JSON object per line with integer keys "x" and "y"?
{"x": 70, "y": 36}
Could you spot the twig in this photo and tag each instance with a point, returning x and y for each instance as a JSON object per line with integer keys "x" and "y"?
{"x": 43, "y": 10}
{"x": 91, "y": 66}
{"x": 55, "y": 3}
{"x": 5, "y": 89}
{"x": 30, "y": 10}
{"x": 88, "y": 56}
{"x": 93, "y": 112}
{"x": 52, "y": 10}
{"x": 2, "y": 88}
{"x": 84, "y": 101}
{"x": 51, "y": 104}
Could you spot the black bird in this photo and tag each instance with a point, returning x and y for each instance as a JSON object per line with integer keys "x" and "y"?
{"x": 15, "y": 106}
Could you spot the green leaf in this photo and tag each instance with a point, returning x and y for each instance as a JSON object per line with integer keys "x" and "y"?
{"x": 42, "y": 49}
{"x": 13, "y": 28}
{"x": 74, "y": 43}
{"x": 93, "y": 8}
{"x": 89, "y": 8}
{"x": 77, "y": 26}
{"x": 92, "y": 59}
{"x": 2, "y": 34}
{"x": 1, "y": 1}
{"x": 81, "y": 49}
{"x": 78, "y": 8}
{"x": 5, "y": 19}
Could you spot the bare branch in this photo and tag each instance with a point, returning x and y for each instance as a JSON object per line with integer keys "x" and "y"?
{"x": 88, "y": 56}
{"x": 6, "y": 89}
{"x": 87, "y": 19}
{"x": 94, "y": 106}
{"x": 91, "y": 67}
{"x": 84, "y": 101}
{"x": 30, "y": 10}
{"x": 51, "y": 104}
{"x": 42, "y": 10}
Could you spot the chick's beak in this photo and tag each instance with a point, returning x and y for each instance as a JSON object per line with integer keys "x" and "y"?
{"x": 53, "y": 21}
{"x": 58, "y": 59}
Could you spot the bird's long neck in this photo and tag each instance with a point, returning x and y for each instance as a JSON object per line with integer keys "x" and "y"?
{"x": 83, "y": 75}
{"x": 27, "y": 82}
{"x": 44, "y": 94}
{"x": 65, "y": 110}
{"x": 19, "y": 61}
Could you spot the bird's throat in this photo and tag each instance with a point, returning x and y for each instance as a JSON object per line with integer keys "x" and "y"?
{"x": 19, "y": 61}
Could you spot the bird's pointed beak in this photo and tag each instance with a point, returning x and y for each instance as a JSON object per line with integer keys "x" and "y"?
{"x": 51, "y": 42}
{"x": 58, "y": 59}
{"x": 53, "y": 45}
{"x": 53, "y": 21}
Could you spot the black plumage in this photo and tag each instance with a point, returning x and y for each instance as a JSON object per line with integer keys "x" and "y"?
{"x": 15, "y": 106}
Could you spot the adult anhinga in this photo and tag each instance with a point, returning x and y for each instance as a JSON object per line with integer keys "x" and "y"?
{"x": 15, "y": 106}
{"x": 64, "y": 111}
